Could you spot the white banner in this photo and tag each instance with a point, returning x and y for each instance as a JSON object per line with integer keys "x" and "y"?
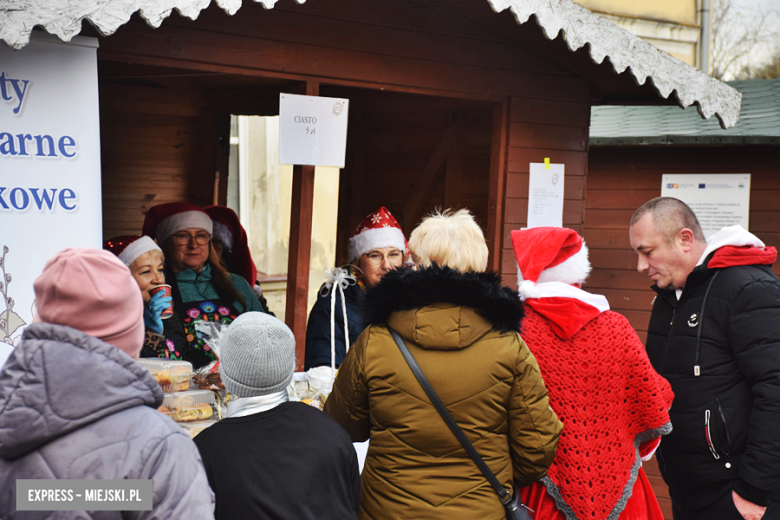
{"x": 718, "y": 199}
{"x": 50, "y": 195}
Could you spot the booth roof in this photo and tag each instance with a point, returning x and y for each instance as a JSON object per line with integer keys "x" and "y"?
{"x": 579, "y": 26}
{"x": 759, "y": 123}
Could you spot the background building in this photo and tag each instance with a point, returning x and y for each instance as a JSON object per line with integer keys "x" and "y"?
{"x": 674, "y": 26}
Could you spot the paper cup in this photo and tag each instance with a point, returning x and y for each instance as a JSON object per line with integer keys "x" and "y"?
{"x": 167, "y": 313}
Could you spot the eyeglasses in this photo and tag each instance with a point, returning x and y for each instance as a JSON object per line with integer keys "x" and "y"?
{"x": 375, "y": 258}
{"x": 183, "y": 238}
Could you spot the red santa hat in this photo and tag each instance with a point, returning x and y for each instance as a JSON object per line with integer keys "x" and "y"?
{"x": 129, "y": 247}
{"x": 164, "y": 220}
{"x": 379, "y": 229}
{"x": 228, "y": 229}
{"x": 550, "y": 262}
{"x": 549, "y": 254}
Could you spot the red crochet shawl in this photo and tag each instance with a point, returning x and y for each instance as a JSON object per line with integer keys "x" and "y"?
{"x": 610, "y": 400}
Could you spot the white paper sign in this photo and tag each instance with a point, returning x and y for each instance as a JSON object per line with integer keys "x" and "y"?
{"x": 545, "y": 195}
{"x": 50, "y": 195}
{"x": 719, "y": 200}
{"x": 312, "y": 130}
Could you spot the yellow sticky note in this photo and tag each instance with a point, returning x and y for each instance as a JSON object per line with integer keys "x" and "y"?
{"x": 546, "y": 163}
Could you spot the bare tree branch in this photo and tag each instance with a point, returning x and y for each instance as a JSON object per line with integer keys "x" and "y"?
{"x": 737, "y": 38}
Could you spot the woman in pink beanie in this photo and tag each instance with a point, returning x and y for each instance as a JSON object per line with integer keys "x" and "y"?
{"x": 74, "y": 404}
{"x": 92, "y": 291}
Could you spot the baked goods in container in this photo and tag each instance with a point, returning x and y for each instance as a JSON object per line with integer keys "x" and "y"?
{"x": 180, "y": 377}
{"x": 204, "y": 411}
{"x": 172, "y": 376}
{"x": 192, "y": 405}
{"x": 208, "y": 381}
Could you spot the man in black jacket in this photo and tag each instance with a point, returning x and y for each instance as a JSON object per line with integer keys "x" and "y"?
{"x": 714, "y": 333}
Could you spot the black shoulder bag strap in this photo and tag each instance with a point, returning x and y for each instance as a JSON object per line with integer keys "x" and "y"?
{"x": 515, "y": 509}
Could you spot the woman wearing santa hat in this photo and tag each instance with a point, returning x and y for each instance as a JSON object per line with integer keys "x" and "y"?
{"x": 613, "y": 405}
{"x": 377, "y": 246}
{"x": 203, "y": 290}
{"x": 165, "y": 338}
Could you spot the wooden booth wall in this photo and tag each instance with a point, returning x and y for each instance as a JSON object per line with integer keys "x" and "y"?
{"x": 622, "y": 179}
{"x": 538, "y": 108}
{"x": 538, "y": 128}
{"x": 413, "y": 154}
{"x": 151, "y": 151}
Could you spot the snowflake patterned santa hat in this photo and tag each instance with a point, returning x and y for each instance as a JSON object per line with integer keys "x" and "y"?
{"x": 129, "y": 247}
{"x": 164, "y": 220}
{"x": 548, "y": 254}
{"x": 379, "y": 229}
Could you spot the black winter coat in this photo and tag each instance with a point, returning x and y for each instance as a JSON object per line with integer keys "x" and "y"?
{"x": 726, "y": 421}
{"x": 318, "y": 327}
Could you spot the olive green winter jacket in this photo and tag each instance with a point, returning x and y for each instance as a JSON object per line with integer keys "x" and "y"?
{"x": 483, "y": 372}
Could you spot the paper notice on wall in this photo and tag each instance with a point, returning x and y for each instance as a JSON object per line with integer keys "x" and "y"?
{"x": 312, "y": 130}
{"x": 545, "y": 195}
{"x": 719, "y": 200}
{"x": 50, "y": 195}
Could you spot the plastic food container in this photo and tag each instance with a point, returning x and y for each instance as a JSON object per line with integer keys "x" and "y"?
{"x": 172, "y": 376}
{"x": 191, "y": 406}
{"x": 194, "y": 428}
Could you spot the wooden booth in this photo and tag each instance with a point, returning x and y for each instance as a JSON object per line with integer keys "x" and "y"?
{"x": 450, "y": 100}
{"x": 449, "y": 103}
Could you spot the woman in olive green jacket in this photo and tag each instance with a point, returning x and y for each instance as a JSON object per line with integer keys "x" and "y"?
{"x": 462, "y": 327}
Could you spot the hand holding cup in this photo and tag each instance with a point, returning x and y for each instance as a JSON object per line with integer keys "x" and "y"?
{"x": 165, "y": 290}
{"x": 155, "y": 311}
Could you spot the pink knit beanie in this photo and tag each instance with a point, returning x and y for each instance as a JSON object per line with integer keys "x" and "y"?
{"x": 93, "y": 291}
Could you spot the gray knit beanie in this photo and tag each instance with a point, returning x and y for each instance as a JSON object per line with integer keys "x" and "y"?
{"x": 257, "y": 355}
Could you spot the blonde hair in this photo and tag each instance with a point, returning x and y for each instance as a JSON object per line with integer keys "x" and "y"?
{"x": 452, "y": 239}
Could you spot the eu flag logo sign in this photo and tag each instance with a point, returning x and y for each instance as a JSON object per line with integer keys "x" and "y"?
{"x": 702, "y": 186}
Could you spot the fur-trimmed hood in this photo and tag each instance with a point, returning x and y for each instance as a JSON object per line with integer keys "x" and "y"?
{"x": 405, "y": 289}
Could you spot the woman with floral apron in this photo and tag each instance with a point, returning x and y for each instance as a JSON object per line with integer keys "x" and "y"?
{"x": 203, "y": 290}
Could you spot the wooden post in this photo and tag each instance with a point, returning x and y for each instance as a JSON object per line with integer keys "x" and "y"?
{"x": 498, "y": 151}
{"x": 223, "y": 159}
{"x": 300, "y": 250}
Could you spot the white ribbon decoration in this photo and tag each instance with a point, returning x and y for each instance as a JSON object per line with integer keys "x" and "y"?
{"x": 340, "y": 279}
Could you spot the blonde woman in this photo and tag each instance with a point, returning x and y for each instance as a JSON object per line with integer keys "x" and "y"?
{"x": 462, "y": 327}
{"x": 164, "y": 338}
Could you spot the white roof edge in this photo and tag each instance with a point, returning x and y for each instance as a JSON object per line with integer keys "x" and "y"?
{"x": 580, "y": 26}
{"x": 626, "y": 51}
